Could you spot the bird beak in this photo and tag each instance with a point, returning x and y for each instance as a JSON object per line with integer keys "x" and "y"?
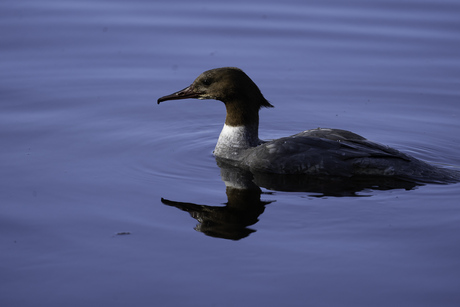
{"x": 187, "y": 92}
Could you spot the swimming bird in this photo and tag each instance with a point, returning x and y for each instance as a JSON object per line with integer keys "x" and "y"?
{"x": 317, "y": 152}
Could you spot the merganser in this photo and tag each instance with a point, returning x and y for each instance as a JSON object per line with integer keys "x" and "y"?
{"x": 321, "y": 151}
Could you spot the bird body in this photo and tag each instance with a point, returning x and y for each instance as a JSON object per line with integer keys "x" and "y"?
{"x": 322, "y": 151}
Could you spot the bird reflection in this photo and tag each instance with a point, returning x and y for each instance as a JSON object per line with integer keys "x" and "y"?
{"x": 244, "y": 205}
{"x": 231, "y": 221}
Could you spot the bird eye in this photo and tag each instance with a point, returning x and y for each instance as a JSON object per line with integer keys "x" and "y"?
{"x": 206, "y": 82}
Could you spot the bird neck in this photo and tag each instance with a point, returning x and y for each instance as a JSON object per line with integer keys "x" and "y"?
{"x": 233, "y": 140}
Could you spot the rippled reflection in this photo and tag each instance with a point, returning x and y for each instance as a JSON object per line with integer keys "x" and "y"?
{"x": 244, "y": 205}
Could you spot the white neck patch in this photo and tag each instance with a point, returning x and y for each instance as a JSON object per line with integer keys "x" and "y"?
{"x": 232, "y": 139}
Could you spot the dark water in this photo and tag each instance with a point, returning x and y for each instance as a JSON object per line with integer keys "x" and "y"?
{"x": 87, "y": 155}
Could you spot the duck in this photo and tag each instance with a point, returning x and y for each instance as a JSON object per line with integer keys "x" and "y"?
{"x": 315, "y": 152}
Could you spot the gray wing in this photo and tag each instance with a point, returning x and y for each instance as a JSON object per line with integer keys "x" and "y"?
{"x": 320, "y": 151}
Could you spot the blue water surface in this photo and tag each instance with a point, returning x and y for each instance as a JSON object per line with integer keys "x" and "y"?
{"x": 107, "y": 199}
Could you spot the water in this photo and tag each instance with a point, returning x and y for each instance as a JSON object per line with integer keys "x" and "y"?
{"x": 87, "y": 155}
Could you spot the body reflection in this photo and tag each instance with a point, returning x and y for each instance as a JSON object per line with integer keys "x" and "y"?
{"x": 244, "y": 204}
{"x": 318, "y": 186}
